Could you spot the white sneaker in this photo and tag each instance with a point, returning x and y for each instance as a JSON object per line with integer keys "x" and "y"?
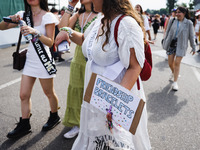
{"x": 175, "y": 86}
{"x": 171, "y": 78}
{"x": 72, "y": 133}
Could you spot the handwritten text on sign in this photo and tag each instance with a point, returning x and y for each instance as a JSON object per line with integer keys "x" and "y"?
{"x": 124, "y": 103}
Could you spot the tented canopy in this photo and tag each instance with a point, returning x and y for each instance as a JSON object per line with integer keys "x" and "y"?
{"x": 10, "y": 7}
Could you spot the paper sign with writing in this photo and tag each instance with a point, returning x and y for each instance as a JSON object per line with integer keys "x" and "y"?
{"x": 126, "y": 108}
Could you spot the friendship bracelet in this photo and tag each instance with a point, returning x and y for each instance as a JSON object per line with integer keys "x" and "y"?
{"x": 68, "y": 30}
{"x": 68, "y": 12}
{"x": 70, "y": 8}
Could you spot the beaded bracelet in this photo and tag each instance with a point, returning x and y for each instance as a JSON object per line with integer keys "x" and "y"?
{"x": 68, "y": 12}
{"x": 68, "y": 30}
{"x": 70, "y": 8}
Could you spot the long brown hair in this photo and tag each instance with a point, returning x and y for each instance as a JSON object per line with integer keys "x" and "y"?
{"x": 111, "y": 7}
{"x": 43, "y": 5}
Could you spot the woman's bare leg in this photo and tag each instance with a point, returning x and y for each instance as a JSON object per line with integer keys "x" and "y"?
{"x": 171, "y": 62}
{"x": 27, "y": 83}
{"x": 47, "y": 86}
{"x": 177, "y": 68}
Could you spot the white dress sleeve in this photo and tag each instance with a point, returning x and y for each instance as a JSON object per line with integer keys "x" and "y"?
{"x": 146, "y": 23}
{"x": 49, "y": 18}
{"x": 130, "y": 35}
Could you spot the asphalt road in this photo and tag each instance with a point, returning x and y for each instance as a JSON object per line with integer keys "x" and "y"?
{"x": 173, "y": 117}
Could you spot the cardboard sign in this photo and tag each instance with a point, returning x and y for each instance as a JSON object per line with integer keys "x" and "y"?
{"x": 126, "y": 108}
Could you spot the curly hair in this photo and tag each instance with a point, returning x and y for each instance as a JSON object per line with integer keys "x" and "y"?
{"x": 112, "y": 7}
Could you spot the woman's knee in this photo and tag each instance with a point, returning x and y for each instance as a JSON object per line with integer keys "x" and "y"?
{"x": 49, "y": 93}
{"x": 171, "y": 64}
{"x": 24, "y": 96}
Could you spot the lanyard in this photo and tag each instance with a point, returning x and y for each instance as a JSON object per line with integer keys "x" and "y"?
{"x": 177, "y": 29}
{"x": 82, "y": 25}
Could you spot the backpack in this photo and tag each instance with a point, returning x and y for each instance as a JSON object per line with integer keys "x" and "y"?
{"x": 145, "y": 74}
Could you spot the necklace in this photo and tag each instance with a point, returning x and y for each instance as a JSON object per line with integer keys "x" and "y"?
{"x": 35, "y": 14}
{"x": 82, "y": 25}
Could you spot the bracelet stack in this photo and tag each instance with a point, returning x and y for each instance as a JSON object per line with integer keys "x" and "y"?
{"x": 69, "y": 9}
{"x": 37, "y": 34}
{"x": 68, "y": 30}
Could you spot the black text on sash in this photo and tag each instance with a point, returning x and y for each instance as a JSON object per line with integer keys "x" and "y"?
{"x": 44, "y": 58}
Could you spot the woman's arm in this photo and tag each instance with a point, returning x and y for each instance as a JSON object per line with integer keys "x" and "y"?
{"x": 68, "y": 21}
{"x": 132, "y": 72}
{"x": 5, "y": 25}
{"x": 76, "y": 37}
{"x": 48, "y": 39}
{"x": 191, "y": 37}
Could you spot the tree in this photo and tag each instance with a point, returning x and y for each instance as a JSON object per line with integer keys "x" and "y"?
{"x": 170, "y": 4}
{"x": 163, "y": 11}
{"x": 191, "y": 4}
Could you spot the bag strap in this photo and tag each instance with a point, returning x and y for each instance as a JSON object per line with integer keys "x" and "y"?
{"x": 20, "y": 38}
{"x": 172, "y": 22}
{"x": 170, "y": 27}
{"x": 116, "y": 28}
{"x": 19, "y": 42}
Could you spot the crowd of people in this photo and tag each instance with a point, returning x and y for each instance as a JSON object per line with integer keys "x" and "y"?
{"x": 92, "y": 28}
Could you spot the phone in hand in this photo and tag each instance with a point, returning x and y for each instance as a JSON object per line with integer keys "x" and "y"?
{"x": 9, "y": 20}
{"x": 63, "y": 46}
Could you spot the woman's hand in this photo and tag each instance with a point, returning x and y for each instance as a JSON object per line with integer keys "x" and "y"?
{"x": 193, "y": 52}
{"x": 25, "y": 30}
{"x": 62, "y": 36}
{"x": 15, "y": 18}
{"x": 73, "y": 3}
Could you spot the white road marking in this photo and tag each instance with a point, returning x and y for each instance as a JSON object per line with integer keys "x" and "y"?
{"x": 197, "y": 74}
{"x": 19, "y": 79}
{"x": 10, "y": 83}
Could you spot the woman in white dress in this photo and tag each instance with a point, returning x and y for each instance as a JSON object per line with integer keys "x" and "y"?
{"x": 145, "y": 19}
{"x": 99, "y": 46}
{"x": 44, "y": 28}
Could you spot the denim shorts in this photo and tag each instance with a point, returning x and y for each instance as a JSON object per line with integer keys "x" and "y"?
{"x": 171, "y": 50}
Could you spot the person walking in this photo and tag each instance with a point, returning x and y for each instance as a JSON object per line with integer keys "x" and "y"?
{"x": 156, "y": 25}
{"x": 178, "y": 32}
{"x": 54, "y": 51}
{"x": 79, "y": 22}
{"x": 99, "y": 46}
{"x": 197, "y": 29}
{"x": 36, "y": 11}
{"x": 144, "y": 17}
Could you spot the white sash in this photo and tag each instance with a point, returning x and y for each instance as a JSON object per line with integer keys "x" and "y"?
{"x": 92, "y": 36}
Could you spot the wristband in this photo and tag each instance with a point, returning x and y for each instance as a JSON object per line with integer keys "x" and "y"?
{"x": 68, "y": 12}
{"x": 37, "y": 34}
{"x": 68, "y": 30}
{"x": 70, "y": 8}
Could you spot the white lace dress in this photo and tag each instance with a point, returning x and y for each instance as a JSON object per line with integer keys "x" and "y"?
{"x": 93, "y": 131}
{"x": 33, "y": 66}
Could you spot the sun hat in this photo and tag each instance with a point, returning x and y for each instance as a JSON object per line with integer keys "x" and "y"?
{"x": 197, "y": 13}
